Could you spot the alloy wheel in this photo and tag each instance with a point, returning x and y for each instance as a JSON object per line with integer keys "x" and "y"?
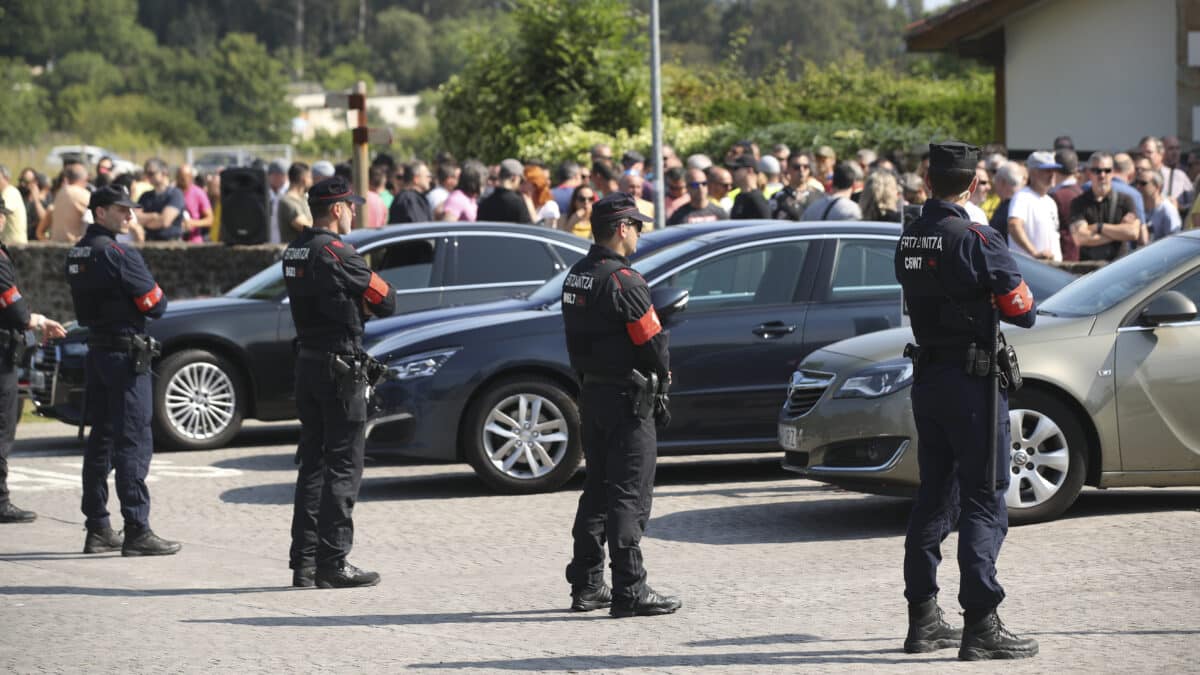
{"x": 200, "y": 401}
{"x": 1039, "y": 459}
{"x": 525, "y": 436}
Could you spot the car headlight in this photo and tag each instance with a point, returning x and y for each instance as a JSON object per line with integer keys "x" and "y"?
{"x": 420, "y": 365}
{"x": 881, "y": 379}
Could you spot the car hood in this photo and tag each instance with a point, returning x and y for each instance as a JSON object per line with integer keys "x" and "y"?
{"x": 381, "y": 329}
{"x": 205, "y": 305}
{"x": 458, "y": 331}
{"x": 889, "y": 344}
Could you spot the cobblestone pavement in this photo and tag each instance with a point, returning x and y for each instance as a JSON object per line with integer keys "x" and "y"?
{"x": 776, "y": 573}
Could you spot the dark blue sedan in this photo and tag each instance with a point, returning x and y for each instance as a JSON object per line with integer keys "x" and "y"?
{"x": 759, "y": 298}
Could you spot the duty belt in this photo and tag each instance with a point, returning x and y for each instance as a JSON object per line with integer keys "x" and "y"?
{"x": 952, "y": 355}
{"x": 623, "y": 380}
{"x": 320, "y": 354}
{"x": 111, "y": 343}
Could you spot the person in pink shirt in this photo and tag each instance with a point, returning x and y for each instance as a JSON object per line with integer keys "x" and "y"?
{"x": 376, "y": 211}
{"x": 463, "y": 204}
{"x": 195, "y": 202}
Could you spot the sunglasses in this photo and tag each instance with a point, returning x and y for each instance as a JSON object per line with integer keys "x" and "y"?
{"x": 1100, "y": 172}
{"x": 584, "y": 198}
{"x": 635, "y": 224}
{"x": 1141, "y": 183}
{"x": 985, "y": 182}
{"x": 798, "y": 167}
{"x": 698, "y": 184}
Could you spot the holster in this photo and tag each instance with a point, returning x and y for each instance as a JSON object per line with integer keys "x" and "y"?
{"x": 644, "y": 390}
{"x": 979, "y": 361}
{"x": 12, "y": 347}
{"x": 143, "y": 349}
{"x": 913, "y": 353}
{"x": 1010, "y": 370}
{"x": 347, "y": 376}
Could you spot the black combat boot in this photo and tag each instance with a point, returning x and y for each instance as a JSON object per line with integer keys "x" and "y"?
{"x": 345, "y": 576}
{"x": 597, "y": 598}
{"x": 148, "y": 543}
{"x": 11, "y": 514}
{"x": 650, "y": 604}
{"x": 305, "y": 576}
{"x": 984, "y": 637}
{"x": 928, "y": 630}
{"x": 103, "y": 540}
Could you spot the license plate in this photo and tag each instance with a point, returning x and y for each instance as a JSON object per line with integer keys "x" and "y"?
{"x": 789, "y": 437}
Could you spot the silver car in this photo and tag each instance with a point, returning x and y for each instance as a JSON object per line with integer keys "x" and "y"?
{"x": 1112, "y": 384}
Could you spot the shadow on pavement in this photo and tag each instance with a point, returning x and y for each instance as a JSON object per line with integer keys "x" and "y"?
{"x": 1093, "y": 503}
{"x": 49, "y": 446}
{"x": 139, "y": 592}
{"x": 609, "y": 662}
{"x": 520, "y": 616}
{"x": 785, "y": 523}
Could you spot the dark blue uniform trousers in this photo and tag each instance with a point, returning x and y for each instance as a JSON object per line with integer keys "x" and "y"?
{"x": 330, "y": 455}
{"x": 119, "y": 408}
{"x": 950, "y": 408}
{"x": 620, "y": 452}
{"x": 10, "y": 411}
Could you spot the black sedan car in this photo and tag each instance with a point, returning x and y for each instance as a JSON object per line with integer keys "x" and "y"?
{"x": 229, "y": 358}
{"x": 497, "y": 390}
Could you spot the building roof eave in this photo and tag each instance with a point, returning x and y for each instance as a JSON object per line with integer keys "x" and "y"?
{"x": 965, "y": 22}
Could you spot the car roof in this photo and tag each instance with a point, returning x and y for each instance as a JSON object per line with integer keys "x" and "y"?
{"x": 365, "y": 237}
{"x": 738, "y": 230}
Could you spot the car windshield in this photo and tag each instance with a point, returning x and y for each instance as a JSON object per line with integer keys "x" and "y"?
{"x": 266, "y": 285}
{"x": 1097, "y": 292}
{"x": 1044, "y": 280}
{"x": 551, "y": 291}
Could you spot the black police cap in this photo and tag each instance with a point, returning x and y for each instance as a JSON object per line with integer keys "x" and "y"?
{"x": 110, "y": 195}
{"x": 331, "y": 191}
{"x": 617, "y": 206}
{"x": 953, "y": 155}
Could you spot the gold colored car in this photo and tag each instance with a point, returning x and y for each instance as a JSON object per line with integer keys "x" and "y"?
{"x": 1111, "y": 396}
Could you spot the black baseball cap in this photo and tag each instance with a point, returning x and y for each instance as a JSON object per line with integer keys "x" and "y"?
{"x": 616, "y": 206}
{"x": 333, "y": 190}
{"x": 743, "y": 161}
{"x": 953, "y": 155}
{"x": 111, "y": 195}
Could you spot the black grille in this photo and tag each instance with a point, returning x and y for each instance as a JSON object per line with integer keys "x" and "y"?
{"x": 803, "y": 400}
{"x": 46, "y": 363}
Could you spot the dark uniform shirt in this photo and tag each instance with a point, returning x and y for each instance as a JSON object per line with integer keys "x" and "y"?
{"x": 1112, "y": 209}
{"x": 952, "y": 270}
{"x": 152, "y": 201}
{"x": 611, "y": 325}
{"x": 111, "y": 287}
{"x": 503, "y": 206}
{"x": 750, "y": 205}
{"x": 410, "y": 206}
{"x": 330, "y": 286}
{"x": 14, "y": 311}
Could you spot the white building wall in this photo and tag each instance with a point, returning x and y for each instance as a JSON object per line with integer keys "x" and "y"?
{"x": 1102, "y": 71}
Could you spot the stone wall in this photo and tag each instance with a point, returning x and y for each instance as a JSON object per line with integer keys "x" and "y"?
{"x": 182, "y": 270}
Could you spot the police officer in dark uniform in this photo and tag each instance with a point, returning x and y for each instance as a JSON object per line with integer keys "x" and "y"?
{"x": 15, "y": 319}
{"x": 618, "y": 347}
{"x": 114, "y": 294}
{"x": 331, "y": 289}
{"x": 956, "y": 275}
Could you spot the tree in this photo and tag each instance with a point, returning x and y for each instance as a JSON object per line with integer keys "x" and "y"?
{"x": 250, "y": 93}
{"x": 572, "y": 61}
{"x": 22, "y": 104}
{"x": 400, "y": 42}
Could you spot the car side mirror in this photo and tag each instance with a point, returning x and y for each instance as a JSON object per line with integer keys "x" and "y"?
{"x": 669, "y": 301}
{"x": 1170, "y": 307}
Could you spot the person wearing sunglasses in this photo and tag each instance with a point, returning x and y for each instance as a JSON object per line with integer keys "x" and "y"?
{"x": 801, "y": 190}
{"x": 698, "y": 208}
{"x": 720, "y": 184}
{"x": 1102, "y": 219}
{"x": 579, "y": 219}
{"x": 618, "y": 347}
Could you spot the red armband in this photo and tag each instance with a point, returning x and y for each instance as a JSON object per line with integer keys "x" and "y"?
{"x": 643, "y": 329}
{"x": 147, "y": 302}
{"x": 1016, "y": 302}
{"x": 7, "y": 298}
{"x": 377, "y": 290}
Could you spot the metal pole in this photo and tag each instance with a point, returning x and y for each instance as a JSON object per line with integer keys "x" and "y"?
{"x": 362, "y": 158}
{"x": 656, "y": 116}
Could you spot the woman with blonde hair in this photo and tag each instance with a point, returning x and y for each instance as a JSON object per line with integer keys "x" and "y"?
{"x": 536, "y": 188}
{"x": 880, "y": 199}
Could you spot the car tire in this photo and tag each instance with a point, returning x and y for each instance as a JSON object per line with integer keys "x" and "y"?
{"x": 199, "y": 401}
{"x": 1047, "y": 434}
{"x": 513, "y": 460}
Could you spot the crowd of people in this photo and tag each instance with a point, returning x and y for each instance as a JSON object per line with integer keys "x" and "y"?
{"x": 1050, "y": 205}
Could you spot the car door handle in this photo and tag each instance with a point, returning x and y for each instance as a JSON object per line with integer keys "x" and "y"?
{"x": 773, "y": 329}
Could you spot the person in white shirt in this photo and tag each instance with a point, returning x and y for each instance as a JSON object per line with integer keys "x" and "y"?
{"x": 1033, "y": 215}
{"x": 277, "y": 184}
{"x": 1175, "y": 181}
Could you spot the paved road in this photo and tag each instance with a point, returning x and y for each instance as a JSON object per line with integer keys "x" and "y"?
{"x": 776, "y": 573}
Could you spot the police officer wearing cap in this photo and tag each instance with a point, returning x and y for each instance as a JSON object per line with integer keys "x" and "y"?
{"x": 957, "y": 275}
{"x": 331, "y": 290}
{"x": 15, "y": 319}
{"x": 114, "y": 293}
{"x": 619, "y": 349}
